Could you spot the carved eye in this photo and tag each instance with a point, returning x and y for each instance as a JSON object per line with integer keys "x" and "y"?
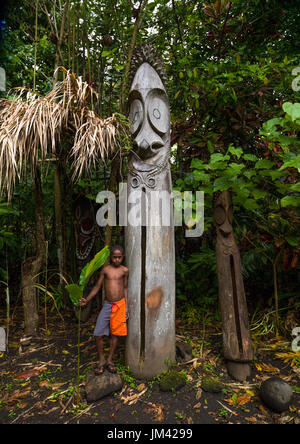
{"x": 158, "y": 115}
{"x": 219, "y": 215}
{"x": 136, "y": 116}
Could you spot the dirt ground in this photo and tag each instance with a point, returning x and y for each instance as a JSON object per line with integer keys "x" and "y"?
{"x": 38, "y": 382}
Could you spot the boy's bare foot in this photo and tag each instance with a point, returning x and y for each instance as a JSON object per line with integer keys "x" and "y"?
{"x": 111, "y": 368}
{"x": 100, "y": 370}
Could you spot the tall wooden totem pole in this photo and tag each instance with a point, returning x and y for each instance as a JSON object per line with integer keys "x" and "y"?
{"x": 150, "y": 250}
{"x": 237, "y": 345}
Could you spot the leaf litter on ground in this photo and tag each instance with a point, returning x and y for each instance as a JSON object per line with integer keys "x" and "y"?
{"x": 132, "y": 398}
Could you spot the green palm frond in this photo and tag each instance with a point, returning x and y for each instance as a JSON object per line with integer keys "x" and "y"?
{"x": 76, "y": 291}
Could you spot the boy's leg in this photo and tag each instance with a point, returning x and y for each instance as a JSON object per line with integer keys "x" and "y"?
{"x": 99, "y": 343}
{"x": 102, "y": 329}
{"x": 113, "y": 345}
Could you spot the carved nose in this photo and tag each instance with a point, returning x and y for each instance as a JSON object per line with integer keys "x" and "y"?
{"x": 226, "y": 228}
{"x": 144, "y": 145}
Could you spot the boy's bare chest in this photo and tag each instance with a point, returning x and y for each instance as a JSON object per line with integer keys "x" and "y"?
{"x": 115, "y": 275}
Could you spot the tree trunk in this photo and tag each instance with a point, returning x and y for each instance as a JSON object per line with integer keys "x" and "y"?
{"x": 58, "y": 220}
{"x": 59, "y": 213}
{"x": 33, "y": 265}
{"x": 31, "y": 316}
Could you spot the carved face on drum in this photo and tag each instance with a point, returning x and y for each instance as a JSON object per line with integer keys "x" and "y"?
{"x": 149, "y": 115}
{"x": 223, "y": 214}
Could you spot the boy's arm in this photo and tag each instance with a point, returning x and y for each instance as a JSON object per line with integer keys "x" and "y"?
{"x": 94, "y": 290}
{"x": 126, "y": 292}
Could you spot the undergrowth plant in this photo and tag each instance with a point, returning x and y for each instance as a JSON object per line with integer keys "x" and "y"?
{"x": 76, "y": 293}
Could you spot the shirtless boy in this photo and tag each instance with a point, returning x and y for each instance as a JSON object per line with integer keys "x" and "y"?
{"x": 113, "y": 316}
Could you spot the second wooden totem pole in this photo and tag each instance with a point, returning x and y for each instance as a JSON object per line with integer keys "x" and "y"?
{"x": 150, "y": 249}
{"x": 237, "y": 345}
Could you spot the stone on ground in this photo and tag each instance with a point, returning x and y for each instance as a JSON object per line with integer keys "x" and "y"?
{"x": 98, "y": 386}
{"x": 276, "y": 394}
{"x": 184, "y": 352}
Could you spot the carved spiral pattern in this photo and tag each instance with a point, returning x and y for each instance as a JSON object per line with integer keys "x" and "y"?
{"x": 147, "y": 179}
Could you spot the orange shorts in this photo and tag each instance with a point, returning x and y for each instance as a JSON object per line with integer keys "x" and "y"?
{"x": 118, "y": 325}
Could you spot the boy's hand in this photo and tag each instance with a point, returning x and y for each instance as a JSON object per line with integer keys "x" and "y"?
{"x": 127, "y": 315}
{"x": 82, "y": 302}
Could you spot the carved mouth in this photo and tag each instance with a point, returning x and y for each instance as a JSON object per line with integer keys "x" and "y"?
{"x": 225, "y": 232}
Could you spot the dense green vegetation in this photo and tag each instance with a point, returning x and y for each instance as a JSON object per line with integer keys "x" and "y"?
{"x": 235, "y": 111}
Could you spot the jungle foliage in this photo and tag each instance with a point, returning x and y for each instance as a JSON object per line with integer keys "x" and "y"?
{"x": 234, "y": 99}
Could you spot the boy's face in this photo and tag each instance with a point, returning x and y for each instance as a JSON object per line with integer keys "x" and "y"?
{"x": 117, "y": 258}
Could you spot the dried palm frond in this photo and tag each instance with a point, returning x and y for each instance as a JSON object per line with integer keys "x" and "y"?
{"x": 95, "y": 139}
{"x": 32, "y": 127}
{"x": 29, "y": 130}
{"x": 292, "y": 357}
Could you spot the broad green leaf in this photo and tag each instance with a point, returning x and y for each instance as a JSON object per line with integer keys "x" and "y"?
{"x": 294, "y": 162}
{"x": 82, "y": 280}
{"x": 250, "y": 204}
{"x": 259, "y": 194}
{"x": 292, "y": 109}
{"x": 264, "y": 163}
{"x": 250, "y": 157}
{"x": 218, "y": 165}
{"x": 269, "y": 127}
{"x": 274, "y": 174}
{"x": 197, "y": 163}
{"x": 221, "y": 184}
{"x": 207, "y": 189}
{"x": 106, "y": 53}
{"x": 217, "y": 157}
{"x": 242, "y": 193}
{"x": 235, "y": 151}
{"x": 5, "y": 209}
{"x": 210, "y": 147}
{"x": 97, "y": 262}
{"x": 249, "y": 173}
{"x": 240, "y": 183}
{"x": 295, "y": 187}
{"x": 236, "y": 167}
{"x": 292, "y": 240}
{"x": 292, "y": 201}
{"x": 75, "y": 293}
{"x": 287, "y": 141}
{"x": 201, "y": 176}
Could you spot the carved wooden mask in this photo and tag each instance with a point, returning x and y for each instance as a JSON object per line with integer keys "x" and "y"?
{"x": 149, "y": 115}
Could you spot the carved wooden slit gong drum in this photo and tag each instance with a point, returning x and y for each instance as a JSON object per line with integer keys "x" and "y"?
{"x": 150, "y": 250}
{"x": 237, "y": 345}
